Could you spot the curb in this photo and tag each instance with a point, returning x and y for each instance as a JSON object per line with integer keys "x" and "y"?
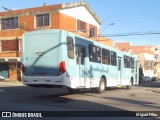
{"x": 11, "y": 83}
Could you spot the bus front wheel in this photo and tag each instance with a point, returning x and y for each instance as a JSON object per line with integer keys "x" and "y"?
{"x": 102, "y": 86}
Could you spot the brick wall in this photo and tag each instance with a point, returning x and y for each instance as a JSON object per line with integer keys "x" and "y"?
{"x": 55, "y": 20}
{"x": 67, "y": 22}
{"x": 10, "y": 54}
{"x": 27, "y": 21}
{"x": 11, "y": 33}
{"x": 30, "y": 11}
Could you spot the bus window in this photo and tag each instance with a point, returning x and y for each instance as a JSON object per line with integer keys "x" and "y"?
{"x": 105, "y": 56}
{"x": 113, "y": 58}
{"x": 132, "y": 62}
{"x": 80, "y": 53}
{"x": 77, "y": 55}
{"x": 70, "y": 47}
{"x": 127, "y": 62}
{"x": 94, "y": 53}
{"x": 83, "y": 55}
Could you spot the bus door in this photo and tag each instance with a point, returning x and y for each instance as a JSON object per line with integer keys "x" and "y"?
{"x": 119, "y": 71}
{"x": 136, "y": 74}
{"x": 80, "y": 63}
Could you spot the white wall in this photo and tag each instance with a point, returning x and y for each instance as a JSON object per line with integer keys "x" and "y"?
{"x": 80, "y": 13}
{"x": 149, "y": 56}
{"x": 149, "y": 73}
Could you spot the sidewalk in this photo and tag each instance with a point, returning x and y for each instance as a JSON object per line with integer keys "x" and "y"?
{"x": 10, "y": 83}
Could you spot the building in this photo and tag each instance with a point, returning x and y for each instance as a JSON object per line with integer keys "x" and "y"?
{"x": 157, "y": 69}
{"x": 76, "y": 17}
{"x": 124, "y": 46}
{"x": 148, "y": 56}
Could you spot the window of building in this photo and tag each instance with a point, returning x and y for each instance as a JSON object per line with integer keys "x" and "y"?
{"x": 81, "y": 26}
{"x": 19, "y": 65}
{"x": 9, "y": 23}
{"x": 70, "y": 47}
{"x": 113, "y": 58}
{"x": 148, "y": 65}
{"x": 94, "y": 53}
{"x": 42, "y": 20}
{"x": 10, "y": 45}
{"x": 94, "y": 27}
{"x": 105, "y": 56}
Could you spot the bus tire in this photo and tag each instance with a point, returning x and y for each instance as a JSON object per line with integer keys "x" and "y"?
{"x": 102, "y": 86}
{"x": 130, "y": 85}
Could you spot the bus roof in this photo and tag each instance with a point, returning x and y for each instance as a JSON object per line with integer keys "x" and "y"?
{"x": 78, "y": 36}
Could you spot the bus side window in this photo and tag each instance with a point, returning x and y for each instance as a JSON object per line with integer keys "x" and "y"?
{"x": 82, "y": 55}
{"x": 70, "y": 47}
{"x": 132, "y": 63}
{"x": 105, "y": 56}
{"x": 125, "y": 61}
{"x": 77, "y": 55}
{"x": 113, "y": 58}
{"x": 128, "y": 62}
{"x": 94, "y": 53}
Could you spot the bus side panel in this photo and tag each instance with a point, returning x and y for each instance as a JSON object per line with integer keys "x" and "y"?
{"x": 112, "y": 76}
{"x": 72, "y": 79}
{"x": 126, "y": 76}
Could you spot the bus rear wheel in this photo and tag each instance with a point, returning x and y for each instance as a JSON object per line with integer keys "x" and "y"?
{"x": 129, "y": 86}
{"x": 102, "y": 86}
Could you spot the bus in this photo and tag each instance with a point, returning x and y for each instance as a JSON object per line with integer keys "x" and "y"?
{"x": 59, "y": 58}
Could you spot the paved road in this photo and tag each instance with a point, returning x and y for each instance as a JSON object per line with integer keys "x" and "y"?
{"x": 16, "y": 97}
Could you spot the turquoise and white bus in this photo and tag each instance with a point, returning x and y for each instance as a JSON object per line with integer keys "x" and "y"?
{"x": 58, "y": 58}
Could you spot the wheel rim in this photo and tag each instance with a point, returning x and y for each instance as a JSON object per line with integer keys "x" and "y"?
{"x": 130, "y": 83}
{"x": 102, "y": 85}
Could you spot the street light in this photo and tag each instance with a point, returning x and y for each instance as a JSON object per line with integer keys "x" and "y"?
{"x": 106, "y": 27}
{"x": 5, "y": 8}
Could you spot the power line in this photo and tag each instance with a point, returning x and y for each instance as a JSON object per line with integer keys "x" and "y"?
{"x": 130, "y": 34}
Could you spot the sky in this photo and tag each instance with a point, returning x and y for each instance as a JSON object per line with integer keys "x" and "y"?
{"x": 128, "y": 16}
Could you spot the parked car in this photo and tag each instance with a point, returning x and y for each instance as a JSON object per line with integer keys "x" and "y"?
{"x": 147, "y": 79}
{"x": 1, "y": 78}
{"x": 154, "y": 79}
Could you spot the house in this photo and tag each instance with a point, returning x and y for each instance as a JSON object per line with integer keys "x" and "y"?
{"x": 75, "y": 17}
{"x": 148, "y": 56}
{"x": 124, "y": 46}
{"x": 157, "y": 72}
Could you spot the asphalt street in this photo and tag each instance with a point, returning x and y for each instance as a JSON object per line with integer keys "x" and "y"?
{"x": 18, "y": 97}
